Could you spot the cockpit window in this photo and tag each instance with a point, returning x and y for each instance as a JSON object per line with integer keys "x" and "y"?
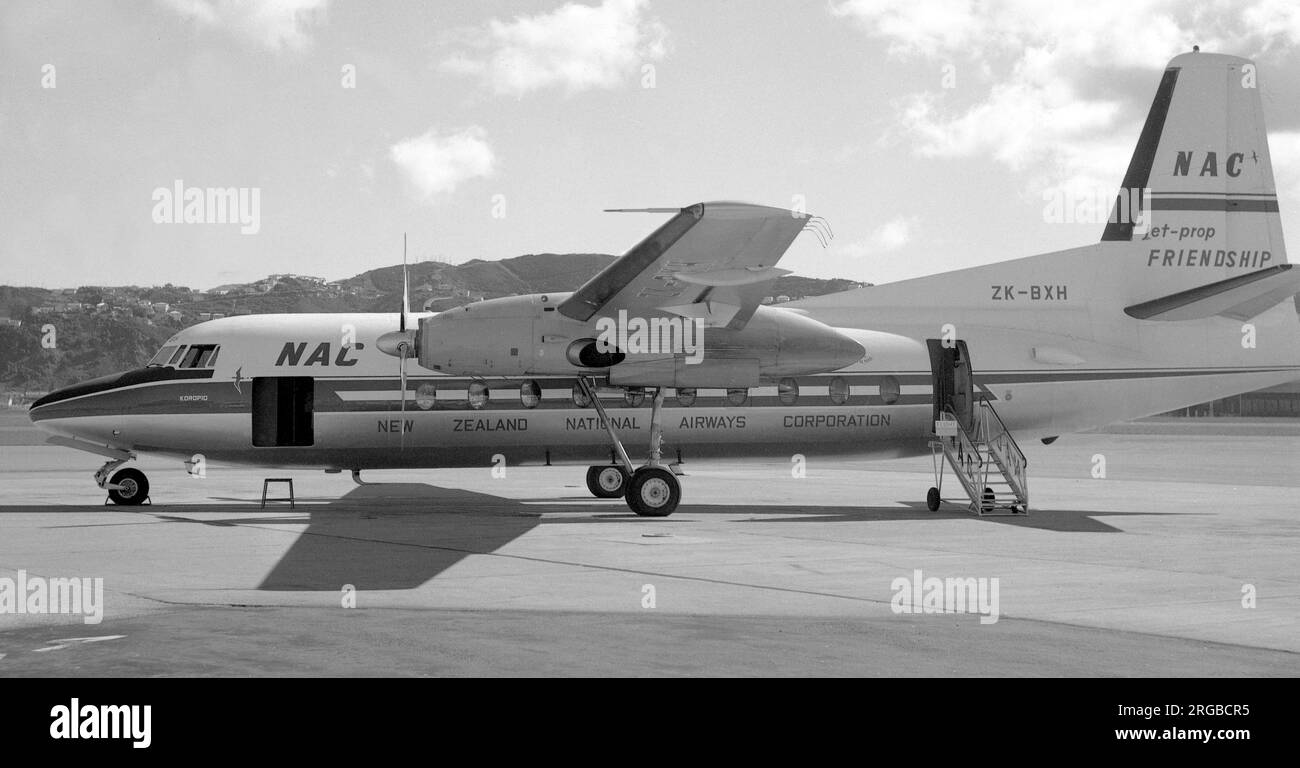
{"x": 176, "y": 358}
{"x": 200, "y": 356}
{"x": 164, "y": 355}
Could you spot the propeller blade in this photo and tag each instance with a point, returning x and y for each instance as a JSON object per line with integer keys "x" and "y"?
{"x": 406, "y": 288}
{"x": 401, "y": 343}
{"x": 401, "y": 375}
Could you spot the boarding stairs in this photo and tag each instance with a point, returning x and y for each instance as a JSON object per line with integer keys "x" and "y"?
{"x": 986, "y": 460}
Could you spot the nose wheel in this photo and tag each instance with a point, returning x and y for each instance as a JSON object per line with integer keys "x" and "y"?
{"x": 651, "y": 490}
{"x": 128, "y": 488}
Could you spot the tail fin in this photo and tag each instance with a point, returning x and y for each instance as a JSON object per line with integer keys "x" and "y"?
{"x": 1198, "y": 203}
{"x": 1195, "y": 233}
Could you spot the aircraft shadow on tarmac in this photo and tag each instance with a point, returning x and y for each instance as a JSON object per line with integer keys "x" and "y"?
{"x": 401, "y": 535}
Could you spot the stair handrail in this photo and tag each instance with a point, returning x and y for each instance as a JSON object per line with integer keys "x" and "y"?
{"x": 1000, "y": 440}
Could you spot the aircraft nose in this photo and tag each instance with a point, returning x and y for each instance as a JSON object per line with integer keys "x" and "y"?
{"x": 89, "y": 410}
{"x": 41, "y": 408}
{"x": 47, "y": 399}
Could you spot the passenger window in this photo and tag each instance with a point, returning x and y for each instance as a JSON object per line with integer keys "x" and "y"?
{"x": 580, "y": 398}
{"x": 788, "y": 390}
{"x": 838, "y": 391}
{"x": 478, "y": 395}
{"x": 530, "y": 394}
{"x": 890, "y": 390}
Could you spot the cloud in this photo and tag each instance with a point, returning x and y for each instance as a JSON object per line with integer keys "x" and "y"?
{"x": 575, "y": 47}
{"x": 890, "y": 236}
{"x": 436, "y": 165}
{"x": 1284, "y": 148}
{"x": 1047, "y": 103}
{"x": 274, "y": 24}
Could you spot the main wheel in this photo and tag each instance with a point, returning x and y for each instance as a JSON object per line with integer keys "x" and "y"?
{"x": 607, "y": 482}
{"x": 989, "y": 500}
{"x": 133, "y": 487}
{"x": 653, "y": 492}
{"x": 932, "y": 499}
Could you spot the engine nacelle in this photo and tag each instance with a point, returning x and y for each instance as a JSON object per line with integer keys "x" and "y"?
{"x": 486, "y": 338}
{"x": 773, "y": 344}
{"x": 524, "y": 335}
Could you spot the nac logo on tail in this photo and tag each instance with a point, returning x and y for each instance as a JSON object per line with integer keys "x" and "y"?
{"x": 1210, "y": 164}
{"x": 293, "y": 351}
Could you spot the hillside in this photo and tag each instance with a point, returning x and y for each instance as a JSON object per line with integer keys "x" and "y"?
{"x": 105, "y": 329}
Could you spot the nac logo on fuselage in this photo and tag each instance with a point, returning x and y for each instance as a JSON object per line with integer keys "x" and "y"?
{"x": 1210, "y": 164}
{"x": 293, "y": 352}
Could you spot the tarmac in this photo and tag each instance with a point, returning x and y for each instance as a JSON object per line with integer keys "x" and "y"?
{"x": 1182, "y": 560}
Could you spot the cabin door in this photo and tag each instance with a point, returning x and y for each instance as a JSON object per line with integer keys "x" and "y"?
{"x": 282, "y": 411}
{"x": 952, "y": 381}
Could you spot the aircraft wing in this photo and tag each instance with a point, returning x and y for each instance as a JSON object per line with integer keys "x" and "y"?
{"x": 713, "y": 261}
{"x": 1238, "y": 298}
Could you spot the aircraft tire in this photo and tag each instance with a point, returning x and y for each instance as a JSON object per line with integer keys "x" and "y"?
{"x": 134, "y": 490}
{"x": 653, "y": 492}
{"x": 932, "y": 499}
{"x": 607, "y": 482}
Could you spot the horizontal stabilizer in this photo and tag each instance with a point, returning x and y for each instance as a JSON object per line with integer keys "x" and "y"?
{"x": 1239, "y": 298}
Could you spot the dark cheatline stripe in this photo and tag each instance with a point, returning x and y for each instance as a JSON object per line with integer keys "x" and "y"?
{"x": 1195, "y": 193}
{"x": 120, "y": 380}
{"x": 1139, "y": 166}
{"x": 1213, "y": 204}
{"x": 221, "y": 397}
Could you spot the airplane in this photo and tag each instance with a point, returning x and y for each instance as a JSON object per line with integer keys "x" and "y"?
{"x": 1183, "y": 300}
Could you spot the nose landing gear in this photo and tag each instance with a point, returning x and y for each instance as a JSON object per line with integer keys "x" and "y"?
{"x": 128, "y": 487}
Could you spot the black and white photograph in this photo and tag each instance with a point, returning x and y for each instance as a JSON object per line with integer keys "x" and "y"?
{"x": 650, "y": 339}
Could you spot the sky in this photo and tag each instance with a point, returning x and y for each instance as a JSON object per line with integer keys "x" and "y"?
{"x": 930, "y": 135}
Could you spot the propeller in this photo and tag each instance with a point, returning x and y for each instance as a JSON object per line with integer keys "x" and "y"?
{"x": 401, "y": 343}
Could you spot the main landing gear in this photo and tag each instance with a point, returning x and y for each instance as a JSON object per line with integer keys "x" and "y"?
{"x": 651, "y": 490}
{"x": 607, "y": 482}
{"x": 128, "y": 487}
